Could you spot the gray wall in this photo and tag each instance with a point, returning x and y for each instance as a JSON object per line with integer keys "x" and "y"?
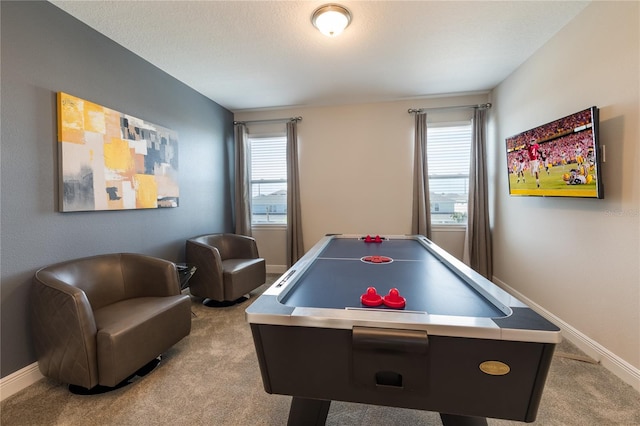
{"x": 44, "y": 51}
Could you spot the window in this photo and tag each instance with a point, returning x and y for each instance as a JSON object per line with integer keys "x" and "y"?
{"x": 448, "y": 154}
{"x": 268, "y": 180}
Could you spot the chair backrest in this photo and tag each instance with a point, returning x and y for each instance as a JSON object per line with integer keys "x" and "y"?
{"x": 100, "y": 277}
{"x": 230, "y": 246}
{"x": 218, "y": 241}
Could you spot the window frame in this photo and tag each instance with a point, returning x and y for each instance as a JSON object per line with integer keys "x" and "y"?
{"x": 251, "y": 138}
{"x": 452, "y": 226}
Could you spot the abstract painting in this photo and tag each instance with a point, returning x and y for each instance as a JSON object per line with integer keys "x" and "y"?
{"x": 113, "y": 161}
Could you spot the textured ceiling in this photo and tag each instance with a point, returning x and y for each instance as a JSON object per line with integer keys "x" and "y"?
{"x": 263, "y": 54}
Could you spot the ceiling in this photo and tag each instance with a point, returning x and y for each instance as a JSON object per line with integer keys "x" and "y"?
{"x": 265, "y": 54}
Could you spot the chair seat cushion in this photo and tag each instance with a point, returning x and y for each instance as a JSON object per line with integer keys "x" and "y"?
{"x": 132, "y": 332}
{"x": 242, "y": 276}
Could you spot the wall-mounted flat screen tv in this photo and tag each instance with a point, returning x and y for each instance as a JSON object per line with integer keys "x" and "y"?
{"x": 557, "y": 159}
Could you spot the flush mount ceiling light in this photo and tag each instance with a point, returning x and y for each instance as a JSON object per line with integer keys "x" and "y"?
{"x": 331, "y": 19}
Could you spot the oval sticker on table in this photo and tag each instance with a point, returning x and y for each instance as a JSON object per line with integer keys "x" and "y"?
{"x": 495, "y": 368}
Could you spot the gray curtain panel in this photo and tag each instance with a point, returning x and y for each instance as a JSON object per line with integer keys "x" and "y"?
{"x": 295, "y": 246}
{"x": 478, "y": 251}
{"x": 421, "y": 214}
{"x": 242, "y": 205}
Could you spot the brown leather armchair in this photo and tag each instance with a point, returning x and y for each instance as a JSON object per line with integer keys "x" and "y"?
{"x": 228, "y": 267}
{"x": 98, "y": 320}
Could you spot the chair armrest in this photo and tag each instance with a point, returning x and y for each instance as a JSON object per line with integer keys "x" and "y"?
{"x": 241, "y": 247}
{"x": 208, "y": 278}
{"x": 64, "y": 331}
{"x": 146, "y": 276}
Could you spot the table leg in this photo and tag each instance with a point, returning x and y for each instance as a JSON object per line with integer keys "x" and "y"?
{"x": 308, "y": 412}
{"x": 455, "y": 420}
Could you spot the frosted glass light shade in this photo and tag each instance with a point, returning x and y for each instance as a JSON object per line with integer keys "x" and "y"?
{"x": 331, "y": 19}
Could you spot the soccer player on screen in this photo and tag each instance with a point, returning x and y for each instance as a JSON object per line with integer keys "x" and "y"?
{"x": 533, "y": 149}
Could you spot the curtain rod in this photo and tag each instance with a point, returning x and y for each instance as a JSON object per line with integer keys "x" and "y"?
{"x": 479, "y": 106}
{"x": 273, "y": 120}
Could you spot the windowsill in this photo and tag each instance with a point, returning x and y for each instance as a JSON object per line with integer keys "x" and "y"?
{"x": 269, "y": 226}
{"x": 461, "y": 227}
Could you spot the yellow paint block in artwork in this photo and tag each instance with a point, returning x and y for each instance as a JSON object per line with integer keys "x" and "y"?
{"x": 70, "y": 119}
{"x": 117, "y": 155}
{"x": 94, "y": 118}
{"x": 111, "y": 124}
{"x": 146, "y": 191}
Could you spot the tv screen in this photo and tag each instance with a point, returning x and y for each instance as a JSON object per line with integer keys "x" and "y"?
{"x": 557, "y": 159}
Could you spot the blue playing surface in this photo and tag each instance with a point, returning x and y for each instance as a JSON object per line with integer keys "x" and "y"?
{"x": 337, "y": 278}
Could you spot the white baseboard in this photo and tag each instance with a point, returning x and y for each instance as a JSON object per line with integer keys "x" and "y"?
{"x": 621, "y": 368}
{"x": 276, "y": 269}
{"x": 19, "y": 380}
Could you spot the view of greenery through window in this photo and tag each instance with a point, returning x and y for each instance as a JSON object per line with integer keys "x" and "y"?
{"x": 268, "y": 180}
{"x": 448, "y": 154}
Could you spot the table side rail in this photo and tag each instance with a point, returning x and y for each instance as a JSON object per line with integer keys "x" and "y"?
{"x": 287, "y": 281}
{"x": 346, "y": 319}
{"x": 490, "y": 291}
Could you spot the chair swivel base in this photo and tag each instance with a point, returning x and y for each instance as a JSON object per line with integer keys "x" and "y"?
{"x": 224, "y": 303}
{"x": 99, "y": 389}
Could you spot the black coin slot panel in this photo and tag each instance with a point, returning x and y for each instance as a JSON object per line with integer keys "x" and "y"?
{"x": 389, "y": 378}
{"x": 390, "y": 359}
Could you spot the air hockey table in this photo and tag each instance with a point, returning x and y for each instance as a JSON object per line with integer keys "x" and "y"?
{"x": 459, "y": 345}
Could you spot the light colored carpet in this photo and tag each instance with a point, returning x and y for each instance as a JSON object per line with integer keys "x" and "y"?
{"x": 212, "y": 378}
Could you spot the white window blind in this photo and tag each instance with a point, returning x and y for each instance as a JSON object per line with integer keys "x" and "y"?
{"x": 268, "y": 180}
{"x": 448, "y": 154}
